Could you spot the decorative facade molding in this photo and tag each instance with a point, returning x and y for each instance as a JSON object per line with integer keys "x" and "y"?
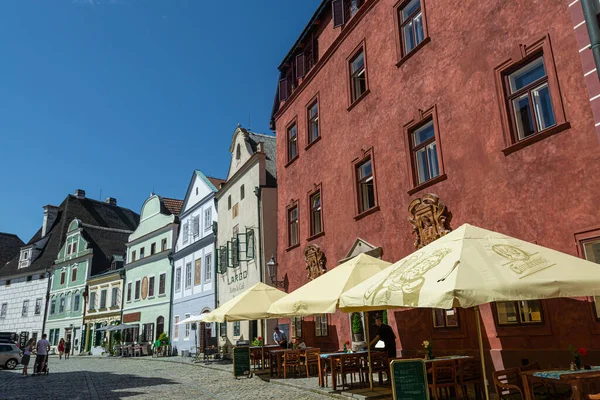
{"x": 430, "y": 219}
{"x": 315, "y": 261}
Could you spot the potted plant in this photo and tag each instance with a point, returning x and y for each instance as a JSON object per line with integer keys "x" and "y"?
{"x": 577, "y": 354}
{"x": 358, "y": 333}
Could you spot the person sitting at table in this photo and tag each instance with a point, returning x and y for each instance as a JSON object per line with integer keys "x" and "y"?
{"x": 298, "y": 344}
{"x": 385, "y": 334}
{"x": 280, "y": 338}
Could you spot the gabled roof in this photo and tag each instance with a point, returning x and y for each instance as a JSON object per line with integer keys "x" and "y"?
{"x": 173, "y": 206}
{"x": 217, "y": 182}
{"x": 107, "y": 244}
{"x": 10, "y": 246}
{"x": 213, "y": 185}
{"x": 90, "y": 212}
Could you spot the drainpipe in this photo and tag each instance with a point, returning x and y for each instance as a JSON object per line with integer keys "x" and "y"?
{"x": 49, "y": 272}
{"x": 591, "y": 21}
{"x": 258, "y": 193}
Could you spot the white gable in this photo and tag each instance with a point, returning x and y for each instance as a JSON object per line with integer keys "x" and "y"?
{"x": 197, "y": 190}
{"x": 240, "y": 152}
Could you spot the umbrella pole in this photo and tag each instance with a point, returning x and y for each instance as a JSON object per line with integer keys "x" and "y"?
{"x": 369, "y": 351}
{"x": 263, "y": 324}
{"x": 480, "y": 338}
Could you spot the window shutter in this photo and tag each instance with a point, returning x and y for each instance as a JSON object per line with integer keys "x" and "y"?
{"x": 300, "y": 66}
{"x": 338, "y": 12}
{"x": 283, "y": 93}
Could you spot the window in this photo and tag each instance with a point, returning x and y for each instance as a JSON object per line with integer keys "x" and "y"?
{"x": 133, "y": 256}
{"x": 207, "y": 219}
{"x": 445, "y": 318}
{"x": 358, "y": 75}
{"x": 74, "y": 249}
{"x": 129, "y": 291}
{"x": 138, "y": 285}
{"x": 141, "y": 253}
{"x": 151, "y": 286}
{"x": 187, "y": 327}
{"x": 7, "y": 283}
{"x": 152, "y": 248}
{"x": 519, "y": 312}
{"x": 238, "y": 152}
{"x": 62, "y": 278}
{"x": 53, "y": 307}
{"x": 163, "y": 245}
{"x": 51, "y": 336}
{"x": 321, "y": 325}
{"x": 293, "y": 228}
{"x": 313, "y": 121}
{"x": 148, "y": 333}
{"x": 38, "y": 307}
{"x": 24, "y": 255}
{"x": 73, "y": 274}
{"x": 424, "y": 152}
{"x": 198, "y": 271}
{"x": 188, "y": 275}
{"x": 61, "y": 305}
{"x": 365, "y": 185}
{"x": 292, "y": 140}
{"x": 114, "y": 297}
{"x": 296, "y": 326}
{"x": 92, "y": 305}
{"x": 316, "y": 225}
{"x": 249, "y": 244}
{"x": 162, "y": 280}
{"x": 76, "y": 302}
{"x": 236, "y": 328}
{"x": 178, "y": 279}
{"x": 29, "y": 278}
{"x": 25, "y": 308}
{"x": 196, "y": 191}
{"x": 196, "y": 222}
{"x": 591, "y": 251}
{"x": 3, "y": 310}
{"x": 242, "y": 192}
{"x": 103, "y": 298}
{"x": 235, "y": 212}
{"x": 528, "y": 96}
{"x": 207, "y": 267}
{"x": 223, "y": 329}
{"x": 412, "y": 31}
{"x": 186, "y": 232}
{"x": 176, "y": 327}
{"x": 229, "y": 202}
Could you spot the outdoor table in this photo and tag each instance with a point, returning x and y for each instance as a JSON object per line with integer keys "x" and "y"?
{"x": 572, "y": 378}
{"x": 446, "y": 358}
{"x": 276, "y": 358}
{"x": 266, "y": 348}
{"x": 333, "y": 359}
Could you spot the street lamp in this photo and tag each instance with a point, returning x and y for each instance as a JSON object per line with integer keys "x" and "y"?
{"x": 272, "y": 269}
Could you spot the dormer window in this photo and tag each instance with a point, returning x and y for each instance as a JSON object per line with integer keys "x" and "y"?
{"x": 24, "y": 255}
{"x": 24, "y": 258}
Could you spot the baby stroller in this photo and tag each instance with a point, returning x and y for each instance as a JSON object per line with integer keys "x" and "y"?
{"x": 36, "y": 367}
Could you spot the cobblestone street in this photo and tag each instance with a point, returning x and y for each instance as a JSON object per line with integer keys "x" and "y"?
{"x": 142, "y": 378}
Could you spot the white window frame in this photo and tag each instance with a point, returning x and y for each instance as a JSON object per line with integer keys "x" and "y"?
{"x": 38, "y": 310}
{"x": 178, "y": 279}
{"x": 151, "y": 285}
{"x": 188, "y": 328}
{"x": 129, "y": 290}
{"x": 185, "y": 232}
{"x": 114, "y": 296}
{"x": 208, "y": 219}
{"x": 188, "y": 275}
{"x": 137, "y": 295}
{"x": 321, "y": 330}
{"x": 207, "y": 267}
{"x": 3, "y": 310}
{"x": 196, "y": 226}
{"x": 176, "y": 327}
{"x": 165, "y": 291}
{"x": 105, "y": 292}
{"x": 25, "y": 309}
{"x": 76, "y": 302}
{"x": 91, "y": 306}
{"x": 60, "y": 304}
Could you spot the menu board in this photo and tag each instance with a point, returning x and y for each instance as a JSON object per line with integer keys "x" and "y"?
{"x": 409, "y": 380}
{"x": 241, "y": 361}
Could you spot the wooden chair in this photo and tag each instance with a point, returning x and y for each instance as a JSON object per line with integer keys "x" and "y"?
{"x": 469, "y": 373}
{"x": 594, "y": 396}
{"x": 443, "y": 376}
{"x": 508, "y": 383}
{"x": 350, "y": 364}
{"x": 256, "y": 357}
{"x": 291, "y": 359}
{"x": 538, "y": 382}
{"x": 379, "y": 365}
{"x": 311, "y": 359}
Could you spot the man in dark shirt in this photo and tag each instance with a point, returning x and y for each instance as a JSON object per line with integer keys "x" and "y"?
{"x": 386, "y": 334}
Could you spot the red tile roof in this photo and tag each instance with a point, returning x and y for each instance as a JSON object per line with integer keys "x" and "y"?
{"x": 173, "y": 205}
{"x": 216, "y": 181}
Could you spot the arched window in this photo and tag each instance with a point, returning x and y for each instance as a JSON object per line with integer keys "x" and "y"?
{"x": 160, "y": 326}
{"x": 238, "y": 152}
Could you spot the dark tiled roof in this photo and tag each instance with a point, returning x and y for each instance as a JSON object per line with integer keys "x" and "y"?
{"x": 269, "y": 146}
{"x": 107, "y": 243}
{"x": 172, "y": 205}
{"x": 90, "y": 212}
{"x": 10, "y": 246}
{"x": 216, "y": 181}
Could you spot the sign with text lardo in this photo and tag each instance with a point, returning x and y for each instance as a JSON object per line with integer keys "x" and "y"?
{"x": 409, "y": 380}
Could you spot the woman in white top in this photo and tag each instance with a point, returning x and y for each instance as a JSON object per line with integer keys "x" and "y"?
{"x": 27, "y": 355}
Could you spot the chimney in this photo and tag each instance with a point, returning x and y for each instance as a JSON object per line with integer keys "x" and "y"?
{"x": 111, "y": 200}
{"x": 80, "y": 194}
{"x": 260, "y": 148}
{"x": 50, "y": 213}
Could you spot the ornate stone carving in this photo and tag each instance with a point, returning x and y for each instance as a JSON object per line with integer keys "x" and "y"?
{"x": 315, "y": 261}
{"x": 430, "y": 219}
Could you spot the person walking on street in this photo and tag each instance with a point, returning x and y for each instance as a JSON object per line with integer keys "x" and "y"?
{"x": 67, "y": 348}
{"x": 61, "y": 348}
{"x": 27, "y": 355}
{"x": 43, "y": 347}
{"x": 280, "y": 338}
{"x": 386, "y": 334}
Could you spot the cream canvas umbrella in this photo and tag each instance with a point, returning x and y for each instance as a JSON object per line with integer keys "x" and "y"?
{"x": 251, "y": 304}
{"x": 321, "y": 295}
{"x": 192, "y": 319}
{"x": 472, "y": 266}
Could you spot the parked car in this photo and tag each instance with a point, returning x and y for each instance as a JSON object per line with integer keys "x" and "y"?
{"x": 10, "y": 355}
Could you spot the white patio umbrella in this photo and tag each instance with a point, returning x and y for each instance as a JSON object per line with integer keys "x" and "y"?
{"x": 192, "y": 319}
{"x": 472, "y": 266}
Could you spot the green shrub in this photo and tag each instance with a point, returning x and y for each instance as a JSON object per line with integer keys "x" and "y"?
{"x": 357, "y": 326}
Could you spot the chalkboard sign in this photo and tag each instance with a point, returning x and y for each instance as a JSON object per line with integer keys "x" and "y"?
{"x": 409, "y": 380}
{"x": 241, "y": 361}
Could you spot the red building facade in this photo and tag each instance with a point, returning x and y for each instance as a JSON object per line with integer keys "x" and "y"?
{"x": 485, "y": 107}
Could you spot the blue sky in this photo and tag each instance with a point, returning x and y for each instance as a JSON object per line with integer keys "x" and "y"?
{"x": 120, "y": 97}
